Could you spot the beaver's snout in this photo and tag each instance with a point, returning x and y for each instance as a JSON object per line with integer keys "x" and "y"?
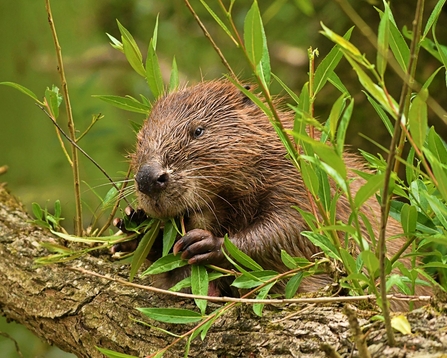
{"x": 152, "y": 179}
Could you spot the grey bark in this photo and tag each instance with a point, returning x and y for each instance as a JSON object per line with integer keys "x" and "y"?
{"x": 77, "y": 312}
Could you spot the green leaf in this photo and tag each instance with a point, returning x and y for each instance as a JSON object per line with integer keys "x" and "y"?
{"x": 111, "y": 354}
{"x": 417, "y": 117}
{"x": 57, "y": 209}
{"x": 382, "y": 114}
{"x": 116, "y": 44}
{"x": 383, "y": 41}
{"x": 199, "y": 285}
{"x": 218, "y": 20}
{"x": 153, "y": 73}
{"x": 171, "y": 315}
{"x": 126, "y": 103}
{"x": 310, "y": 177}
{"x": 144, "y": 248}
{"x": 335, "y": 114}
{"x": 240, "y": 256}
{"x": 370, "y": 261}
{"x": 323, "y": 243}
{"x": 336, "y": 82}
{"x": 37, "y": 211}
{"x": 327, "y": 66}
{"x": 155, "y": 34}
{"x": 54, "y": 100}
{"x": 263, "y": 292}
{"x": 433, "y": 17}
{"x": 398, "y": 46}
{"x": 174, "y": 79}
{"x": 22, "y": 89}
{"x": 165, "y": 264}
{"x": 375, "y": 91}
{"x": 343, "y": 43}
{"x": 254, "y": 278}
{"x": 372, "y": 186}
{"x": 305, "y": 6}
{"x": 408, "y": 217}
{"x": 348, "y": 261}
{"x": 343, "y": 126}
{"x": 288, "y": 260}
{"x": 293, "y": 284}
{"x": 169, "y": 236}
{"x": 289, "y": 91}
{"x": 131, "y": 50}
{"x": 253, "y": 30}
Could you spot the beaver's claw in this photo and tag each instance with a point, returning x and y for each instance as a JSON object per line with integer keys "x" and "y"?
{"x": 200, "y": 247}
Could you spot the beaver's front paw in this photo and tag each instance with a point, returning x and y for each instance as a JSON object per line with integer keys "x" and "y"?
{"x": 200, "y": 247}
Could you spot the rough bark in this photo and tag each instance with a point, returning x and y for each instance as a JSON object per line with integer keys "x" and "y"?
{"x": 78, "y": 312}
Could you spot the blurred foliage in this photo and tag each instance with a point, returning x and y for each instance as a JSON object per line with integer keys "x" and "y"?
{"x": 38, "y": 171}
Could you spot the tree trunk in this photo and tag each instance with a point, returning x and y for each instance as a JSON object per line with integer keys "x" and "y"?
{"x": 77, "y": 312}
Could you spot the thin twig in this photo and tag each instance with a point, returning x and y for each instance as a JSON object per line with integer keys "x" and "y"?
{"x": 74, "y": 144}
{"x": 394, "y": 297}
{"x": 70, "y": 122}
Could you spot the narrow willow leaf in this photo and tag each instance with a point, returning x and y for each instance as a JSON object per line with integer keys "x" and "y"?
{"x": 408, "y": 216}
{"x": 330, "y": 157}
{"x": 323, "y": 243}
{"x": 345, "y": 44}
{"x": 111, "y": 354}
{"x": 373, "y": 89}
{"x": 433, "y": 17}
{"x": 310, "y": 177}
{"x": 327, "y": 66}
{"x": 199, "y": 285}
{"x": 293, "y": 284}
{"x": 186, "y": 282}
{"x": 218, "y": 20}
{"x": 367, "y": 190}
{"x": 240, "y": 256}
{"x": 370, "y": 261}
{"x": 254, "y": 278}
{"x": 438, "y": 208}
{"x": 174, "y": 79}
{"x": 171, "y": 315}
{"x": 116, "y": 44}
{"x": 153, "y": 73}
{"x": 343, "y": 127}
{"x": 324, "y": 191}
{"x": 383, "y": 116}
{"x": 169, "y": 236}
{"x": 263, "y": 292}
{"x": 335, "y": 114}
{"x": 125, "y": 103}
{"x": 289, "y": 91}
{"x": 336, "y": 82}
{"x": 253, "y": 34}
{"x": 144, "y": 248}
{"x": 348, "y": 261}
{"x": 288, "y": 260}
{"x": 54, "y": 100}
{"x": 442, "y": 50}
{"x": 399, "y": 47}
{"x": 131, "y": 50}
{"x": 383, "y": 41}
{"x": 37, "y": 211}
{"x": 417, "y": 117}
{"x": 164, "y": 264}
{"x": 57, "y": 209}
{"x": 22, "y": 89}
{"x": 155, "y": 34}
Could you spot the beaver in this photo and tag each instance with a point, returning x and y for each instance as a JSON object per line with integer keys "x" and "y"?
{"x": 209, "y": 154}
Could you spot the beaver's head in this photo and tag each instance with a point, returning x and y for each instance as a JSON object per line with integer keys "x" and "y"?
{"x": 200, "y": 144}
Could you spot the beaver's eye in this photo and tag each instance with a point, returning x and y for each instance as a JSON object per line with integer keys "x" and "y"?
{"x": 198, "y": 132}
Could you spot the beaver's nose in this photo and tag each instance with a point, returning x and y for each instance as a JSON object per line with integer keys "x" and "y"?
{"x": 151, "y": 179}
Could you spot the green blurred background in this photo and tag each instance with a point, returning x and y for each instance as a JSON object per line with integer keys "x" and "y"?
{"x": 38, "y": 170}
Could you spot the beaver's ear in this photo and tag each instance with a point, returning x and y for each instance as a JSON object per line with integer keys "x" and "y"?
{"x": 245, "y": 100}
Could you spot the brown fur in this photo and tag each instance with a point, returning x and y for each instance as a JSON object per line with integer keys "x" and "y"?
{"x": 235, "y": 179}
